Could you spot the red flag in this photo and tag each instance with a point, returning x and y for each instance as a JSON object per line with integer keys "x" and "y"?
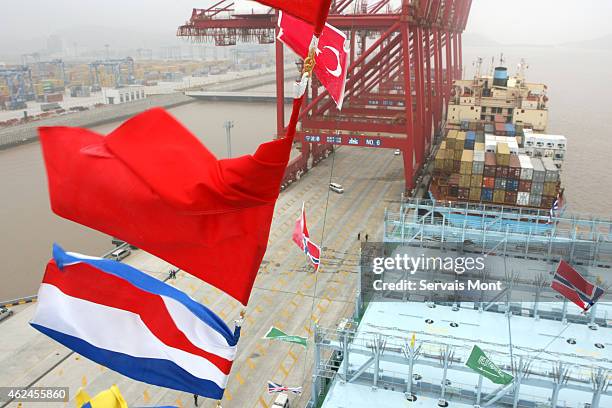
{"x": 153, "y": 184}
{"x": 314, "y": 12}
{"x": 331, "y": 56}
{"x": 568, "y": 282}
{"x": 302, "y": 239}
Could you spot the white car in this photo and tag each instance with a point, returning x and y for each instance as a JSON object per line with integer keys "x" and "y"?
{"x": 397, "y": 152}
{"x": 281, "y": 401}
{"x": 120, "y": 254}
{"x": 336, "y": 188}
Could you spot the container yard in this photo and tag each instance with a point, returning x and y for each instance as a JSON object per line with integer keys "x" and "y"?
{"x": 443, "y": 264}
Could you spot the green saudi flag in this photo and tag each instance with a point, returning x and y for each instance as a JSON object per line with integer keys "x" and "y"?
{"x": 277, "y": 334}
{"x": 480, "y": 363}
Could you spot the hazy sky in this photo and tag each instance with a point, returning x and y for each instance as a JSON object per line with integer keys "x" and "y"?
{"x": 24, "y": 24}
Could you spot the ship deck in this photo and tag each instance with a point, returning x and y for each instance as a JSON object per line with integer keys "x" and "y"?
{"x": 541, "y": 342}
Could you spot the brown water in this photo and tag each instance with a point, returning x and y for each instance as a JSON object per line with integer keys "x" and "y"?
{"x": 579, "y": 85}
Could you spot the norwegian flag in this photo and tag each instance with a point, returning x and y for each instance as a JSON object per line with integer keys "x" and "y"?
{"x": 302, "y": 240}
{"x": 568, "y": 282}
{"x": 274, "y": 387}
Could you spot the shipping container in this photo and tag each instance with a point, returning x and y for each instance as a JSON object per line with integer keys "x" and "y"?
{"x": 465, "y": 180}
{"x": 458, "y": 153}
{"x": 479, "y": 147}
{"x": 489, "y": 128}
{"x": 475, "y": 193}
{"x": 486, "y": 194}
{"x": 476, "y": 181}
{"x": 480, "y": 136}
{"x": 510, "y": 197}
{"x": 478, "y": 163}
{"x": 499, "y": 196}
{"x": 453, "y": 180}
{"x": 490, "y": 164}
{"x": 512, "y": 185}
{"x": 514, "y": 168}
{"x": 535, "y": 200}
{"x": 502, "y": 155}
{"x": 456, "y": 164}
{"x": 488, "y": 182}
{"x": 460, "y": 142}
{"x": 467, "y": 158}
{"x": 525, "y": 186}
{"x": 539, "y": 173}
{"x": 552, "y": 171}
{"x": 537, "y": 188}
{"x": 500, "y": 183}
{"x": 526, "y": 167}
{"x": 463, "y": 193}
{"x": 501, "y": 171}
{"x": 453, "y": 191}
{"x": 550, "y": 188}
{"x": 522, "y": 198}
{"x": 510, "y": 131}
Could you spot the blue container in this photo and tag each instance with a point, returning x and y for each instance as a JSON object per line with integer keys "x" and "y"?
{"x": 510, "y": 130}
{"x": 470, "y": 135}
{"x": 512, "y": 185}
{"x": 486, "y": 194}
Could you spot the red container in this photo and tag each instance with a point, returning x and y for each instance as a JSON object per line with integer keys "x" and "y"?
{"x": 489, "y": 182}
{"x": 489, "y": 167}
{"x": 501, "y": 171}
{"x": 500, "y": 129}
{"x": 499, "y": 119}
{"x": 525, "y": 186}
{"x": 514, "y": 170}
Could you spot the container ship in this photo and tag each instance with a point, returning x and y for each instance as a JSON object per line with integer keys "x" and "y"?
{"x": 495, "y": 147}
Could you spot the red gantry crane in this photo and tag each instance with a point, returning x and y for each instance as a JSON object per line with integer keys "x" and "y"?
{"x": 403, "y": 61}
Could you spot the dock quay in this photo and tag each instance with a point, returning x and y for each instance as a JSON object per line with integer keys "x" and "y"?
{"x": 287, "y": 294}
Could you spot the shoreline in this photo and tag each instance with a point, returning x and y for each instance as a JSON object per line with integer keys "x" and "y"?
{"x": 28, "y": 132}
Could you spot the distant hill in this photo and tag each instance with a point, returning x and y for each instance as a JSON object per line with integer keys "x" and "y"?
{"x": 599, "y": 43}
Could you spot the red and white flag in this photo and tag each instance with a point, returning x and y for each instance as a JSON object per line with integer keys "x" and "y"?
{"x": 313, "y": 12}
{"x": 331, "y": 55}
{"x": 568, "y": 282}
{"x": 153, "y": 184}
{"x": 302, "y": 240}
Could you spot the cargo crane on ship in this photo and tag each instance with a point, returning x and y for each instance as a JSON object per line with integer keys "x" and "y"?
{"x": 400, "y": 57}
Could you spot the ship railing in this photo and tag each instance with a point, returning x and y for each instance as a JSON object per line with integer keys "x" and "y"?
{"x": 532, "y": 231}
{"x": 370, "y": 344}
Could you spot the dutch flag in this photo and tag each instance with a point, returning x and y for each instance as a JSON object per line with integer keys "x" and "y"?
{"x": 134, "y": 324}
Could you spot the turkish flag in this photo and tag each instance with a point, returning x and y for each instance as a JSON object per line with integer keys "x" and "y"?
{"x": 153, "y": 184}
{"x": 331, "y": 55}
{"x": 313, "y": 12}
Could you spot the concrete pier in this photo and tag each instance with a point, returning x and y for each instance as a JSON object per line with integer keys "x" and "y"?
{"x": 287, "y": 294}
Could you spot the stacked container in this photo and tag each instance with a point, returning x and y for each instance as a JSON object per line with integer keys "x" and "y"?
{"x": 477, "y": 166}
{"x": 537, "y": 183}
